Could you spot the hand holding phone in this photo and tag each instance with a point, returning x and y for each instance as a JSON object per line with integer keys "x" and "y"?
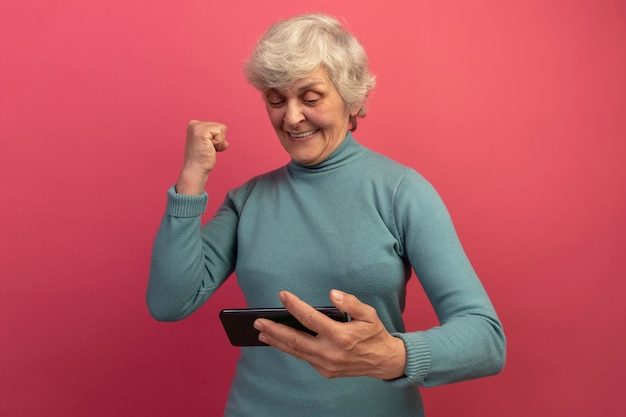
{"x": 238, "y": 323}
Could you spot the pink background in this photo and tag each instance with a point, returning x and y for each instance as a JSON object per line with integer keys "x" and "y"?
{"x": 515, "y": 111}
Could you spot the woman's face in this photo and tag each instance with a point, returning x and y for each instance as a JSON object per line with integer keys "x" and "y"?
{"x": 309, "y": 117}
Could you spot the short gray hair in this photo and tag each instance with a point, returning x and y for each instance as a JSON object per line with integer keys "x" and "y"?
{"x": 294, "y": 48}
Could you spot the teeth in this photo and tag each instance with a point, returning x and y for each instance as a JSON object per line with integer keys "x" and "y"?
{"x": 301, "y": 135}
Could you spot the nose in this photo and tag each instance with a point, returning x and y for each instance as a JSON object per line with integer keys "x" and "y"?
{"x": 293, "y": 114}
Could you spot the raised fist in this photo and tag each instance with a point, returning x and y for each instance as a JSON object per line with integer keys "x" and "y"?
{"x": 204, "y": 140}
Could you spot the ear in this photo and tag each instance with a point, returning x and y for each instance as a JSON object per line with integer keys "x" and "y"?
{"x": 356, "y": 110}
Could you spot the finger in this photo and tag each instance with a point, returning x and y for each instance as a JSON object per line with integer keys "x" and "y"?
{"x": 216, "y": 133}
{"x": 350, "y": 304}
{"x": 220, "y": 145}
{"x": 284, "y": 338}
{"x": 308, "y": 315}
{"x": 206, "y": 130}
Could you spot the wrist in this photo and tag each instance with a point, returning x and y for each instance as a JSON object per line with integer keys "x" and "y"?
{"x": 395, "y": 360}
{"x": 398, "y": 359}
{"x": 191, "y": 182}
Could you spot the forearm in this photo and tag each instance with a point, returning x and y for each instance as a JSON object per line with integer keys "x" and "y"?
{"x": 176, "y": 275}
{"x": 465, "y": 348}
{"x": 186, "y": 266}
{"x": 470, "y": 341}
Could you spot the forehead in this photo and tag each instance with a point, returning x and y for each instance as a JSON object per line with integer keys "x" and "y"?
{"x": 318, "y": 78}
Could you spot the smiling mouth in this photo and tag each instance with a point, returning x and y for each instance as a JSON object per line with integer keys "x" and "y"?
{"x": 302, "y": 135}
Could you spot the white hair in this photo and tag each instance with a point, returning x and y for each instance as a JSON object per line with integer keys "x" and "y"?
{"x": 294, "y": 48}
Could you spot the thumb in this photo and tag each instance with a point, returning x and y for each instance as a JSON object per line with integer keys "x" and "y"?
{"x": 220, "y": 145}
{"x": 350, "y": 304}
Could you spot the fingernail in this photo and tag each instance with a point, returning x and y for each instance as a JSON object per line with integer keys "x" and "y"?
{"x": 337, "y": 295}
{"x": 282, "y": 296}
{"x": 258, "y": 325}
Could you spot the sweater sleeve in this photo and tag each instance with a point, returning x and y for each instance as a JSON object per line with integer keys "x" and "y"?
{"x": 189, "y": 262}
{"x": 469, "y": 342}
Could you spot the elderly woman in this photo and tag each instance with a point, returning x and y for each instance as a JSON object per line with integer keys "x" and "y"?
{"x": 338, "y": 221}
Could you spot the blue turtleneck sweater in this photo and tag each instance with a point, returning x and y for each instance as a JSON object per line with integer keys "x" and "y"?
{"x": 357, "y": 222}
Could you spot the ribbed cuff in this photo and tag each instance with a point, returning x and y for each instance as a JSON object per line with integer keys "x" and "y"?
{"x": 417, "y": 359}
{"x": 182, "y": 205}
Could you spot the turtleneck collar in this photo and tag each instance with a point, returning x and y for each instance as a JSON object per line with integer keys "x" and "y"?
{"x": 348, "y": 150}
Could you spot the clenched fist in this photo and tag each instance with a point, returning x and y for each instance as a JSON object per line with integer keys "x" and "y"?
{"x": 204, "y": 140}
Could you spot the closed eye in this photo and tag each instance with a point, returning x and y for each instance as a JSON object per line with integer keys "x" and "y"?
{"x": 274, "y": 99}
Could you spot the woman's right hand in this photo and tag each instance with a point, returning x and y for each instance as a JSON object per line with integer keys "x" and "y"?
{"x": 204, "y": 140}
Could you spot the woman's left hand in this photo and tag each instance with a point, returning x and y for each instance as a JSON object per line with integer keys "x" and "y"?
{"x": 360, "y": 347}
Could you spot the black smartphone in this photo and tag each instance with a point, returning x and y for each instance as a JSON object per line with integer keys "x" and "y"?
{"x": 238, "y": 323}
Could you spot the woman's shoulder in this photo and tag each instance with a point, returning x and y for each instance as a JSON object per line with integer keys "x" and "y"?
{"x": 265, "y": 179}
{"x": 383, "y": 167}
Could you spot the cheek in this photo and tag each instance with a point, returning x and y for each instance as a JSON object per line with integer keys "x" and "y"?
{"x": 329, "y": 117}
{"x": 275, "y": 117}
{"x": 318, "y": 118}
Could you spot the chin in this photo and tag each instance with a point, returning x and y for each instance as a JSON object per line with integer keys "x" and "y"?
{"x": 305, "y": 159}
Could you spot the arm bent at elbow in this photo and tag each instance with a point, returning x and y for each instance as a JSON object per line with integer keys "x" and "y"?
{"x": 189, "y": 262}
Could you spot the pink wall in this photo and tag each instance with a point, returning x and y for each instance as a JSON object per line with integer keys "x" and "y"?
{"x": 516, "y": 113}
